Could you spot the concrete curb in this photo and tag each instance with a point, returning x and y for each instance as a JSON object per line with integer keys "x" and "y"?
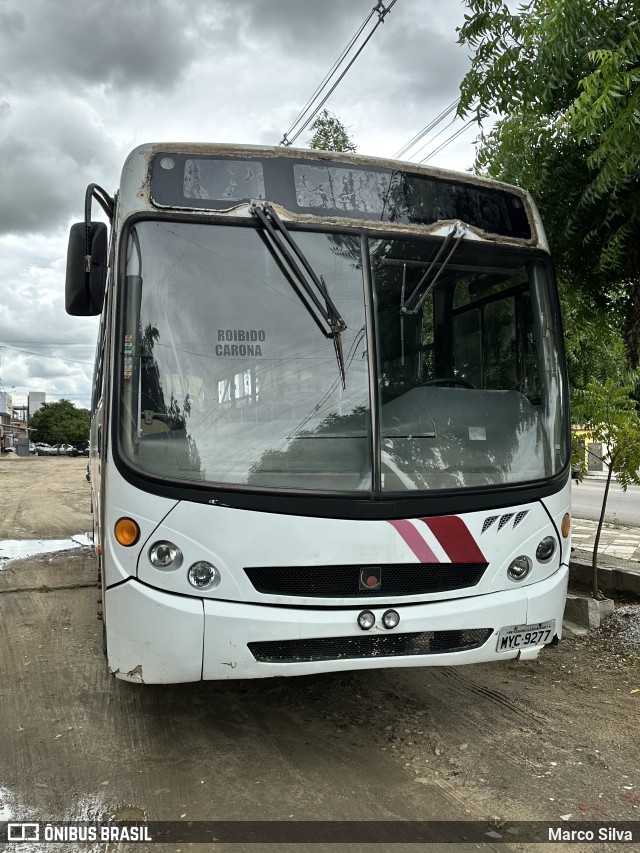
{"x": 582, "y": 609}
{"x": 582, "y": 612}
{"x": 612, "y": 580}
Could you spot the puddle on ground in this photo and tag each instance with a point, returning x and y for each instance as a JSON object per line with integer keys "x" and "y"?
{"x": 88, "y": 810}
{"x": 132, "y": 814}
{"x": 19, "y": 549}
{"x": 5, "y": 809}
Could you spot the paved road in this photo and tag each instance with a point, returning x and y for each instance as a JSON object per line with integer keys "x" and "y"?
{"x": 622, "y": 507}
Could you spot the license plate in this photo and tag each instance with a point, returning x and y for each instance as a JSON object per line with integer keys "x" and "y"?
{"x": 516, "y": 637}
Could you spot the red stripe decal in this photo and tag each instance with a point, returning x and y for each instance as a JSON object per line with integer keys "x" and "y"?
{"x": 415, "y": 541}
{"x": 454, "y": 536}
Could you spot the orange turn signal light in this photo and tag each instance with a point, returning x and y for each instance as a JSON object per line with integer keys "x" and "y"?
{"x": 566, "y": 525}
{"x": 126, "y": 531}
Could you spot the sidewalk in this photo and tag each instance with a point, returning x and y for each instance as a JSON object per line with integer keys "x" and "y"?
{"x": 621, "y": 543}
{"x": 618, "y": 562}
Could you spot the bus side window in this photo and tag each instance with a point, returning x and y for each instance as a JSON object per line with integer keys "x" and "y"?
{"x": 467, "y": 347}
{"x": 499, "y": 345}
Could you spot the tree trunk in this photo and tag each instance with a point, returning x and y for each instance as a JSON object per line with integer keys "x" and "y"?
{"x": 631, "y": 272}
{"x": 632, "y": 328}
{"x": 594, "y": 565}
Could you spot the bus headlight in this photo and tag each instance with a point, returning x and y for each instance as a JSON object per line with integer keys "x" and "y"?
{"x": 165, "y": 555}
{"x": 203, "y": 575}
{"x": 366, "y": 620}
{"x": 546, "y": 549}
{"x": 519, "y": 568}
{"x": 390, "y": 618}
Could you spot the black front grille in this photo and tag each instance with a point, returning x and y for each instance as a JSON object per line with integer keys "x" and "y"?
{"x": 343, "y": 581}
{"x": 368, "y": 646}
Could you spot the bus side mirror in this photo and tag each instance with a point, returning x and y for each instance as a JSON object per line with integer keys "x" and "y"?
{"x": 86, "y": 272}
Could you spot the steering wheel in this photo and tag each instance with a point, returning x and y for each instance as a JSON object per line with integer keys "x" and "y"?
{"x": 450, "y": 382}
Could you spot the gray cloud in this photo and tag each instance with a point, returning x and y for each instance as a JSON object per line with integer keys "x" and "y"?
{"x": 423, "y": 64}
{"x": 111, "y": 42}
{"x": 49, "y": 151}
{"x": 12, "y": 22}
{"x": 302, "y": 28}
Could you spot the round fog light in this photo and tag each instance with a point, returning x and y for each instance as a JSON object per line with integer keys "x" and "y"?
{"x": 165, "y": 555}
{"x": 203, "y": 575}
{"x": 366, "y": 620}
{"x": 519, "y": 568}
{"x": 390, "y": 618}
{"x": 545, "y": 549}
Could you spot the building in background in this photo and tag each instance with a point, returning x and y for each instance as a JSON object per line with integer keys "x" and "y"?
{"x": 35, "y": 401}
{"x": 8, "y": 426}
{"x": 6, "y": 413}
{"x": 6, "y": 403}
{"x": 14, "y": 419}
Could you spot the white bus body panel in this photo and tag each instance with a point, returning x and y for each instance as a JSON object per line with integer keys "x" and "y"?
{"x": 127, "y": 501}
{"x": 157, "y": 637}
{"x": 229, "y": 627}
{"x": 153, "y": 637}
{"x": 233, "y": 539}
{"x": 162, "y": 630}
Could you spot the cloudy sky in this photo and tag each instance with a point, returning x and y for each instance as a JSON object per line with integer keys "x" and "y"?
{"x": 84, "y": 81}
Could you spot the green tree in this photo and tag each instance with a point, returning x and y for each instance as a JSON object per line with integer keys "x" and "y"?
{"x": 329, "y": 134}
{"x": 55, "y": 423}
{"x": 607, "y": 411}
{"x": 563, "y": 77}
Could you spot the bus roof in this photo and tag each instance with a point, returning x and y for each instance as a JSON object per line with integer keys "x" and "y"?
{"x": 325, "y": 187}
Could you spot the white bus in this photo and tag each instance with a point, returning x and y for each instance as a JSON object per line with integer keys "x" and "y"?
{"x": 330, "y": 423}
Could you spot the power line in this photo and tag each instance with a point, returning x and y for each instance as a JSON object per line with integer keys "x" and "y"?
{"x": 44, "y": 355}
{"x": 326, "y": 79}
{"x": 4, "y": 341}
{"x": 425, "y": 130}
{"x": 312, "y": 107}
{"x": 402, "y": 152}
{"x": 434, "y": 137}
{"x": 447, "y": 141}
{"x": 66, "y": 394}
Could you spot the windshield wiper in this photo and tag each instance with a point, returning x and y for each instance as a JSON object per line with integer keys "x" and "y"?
{"x": 456, "y": 234}
{"x": 310, "y": 287}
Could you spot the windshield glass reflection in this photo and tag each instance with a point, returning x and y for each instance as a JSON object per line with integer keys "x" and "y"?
{"x": 227, "y": 377}
{"x": 470, "y": 385}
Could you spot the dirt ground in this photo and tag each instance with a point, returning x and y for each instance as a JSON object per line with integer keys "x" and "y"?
{"x": 551, "y": 740}
{"x": 43, "y": 496}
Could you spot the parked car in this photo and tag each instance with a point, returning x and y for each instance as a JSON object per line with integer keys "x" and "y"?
{"x": 55, "y": 450}
{"x": 62, "y": 449}
{"x": 42, "y": 448}
{"x": 32, "y": 447}
{"x": 79, "y": 448}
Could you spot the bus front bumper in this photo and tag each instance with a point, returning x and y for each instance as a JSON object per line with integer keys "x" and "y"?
{"x": 158, "y": 637}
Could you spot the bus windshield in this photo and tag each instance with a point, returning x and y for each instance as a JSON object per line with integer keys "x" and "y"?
{"x": 226, "y": 377}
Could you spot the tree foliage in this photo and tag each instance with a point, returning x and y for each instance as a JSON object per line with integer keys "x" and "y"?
{"x": 563, "y": 77}
{"x": 55, "y": 423}
{"x": 329, "y": 134}
{"x": 608, "y": 413}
